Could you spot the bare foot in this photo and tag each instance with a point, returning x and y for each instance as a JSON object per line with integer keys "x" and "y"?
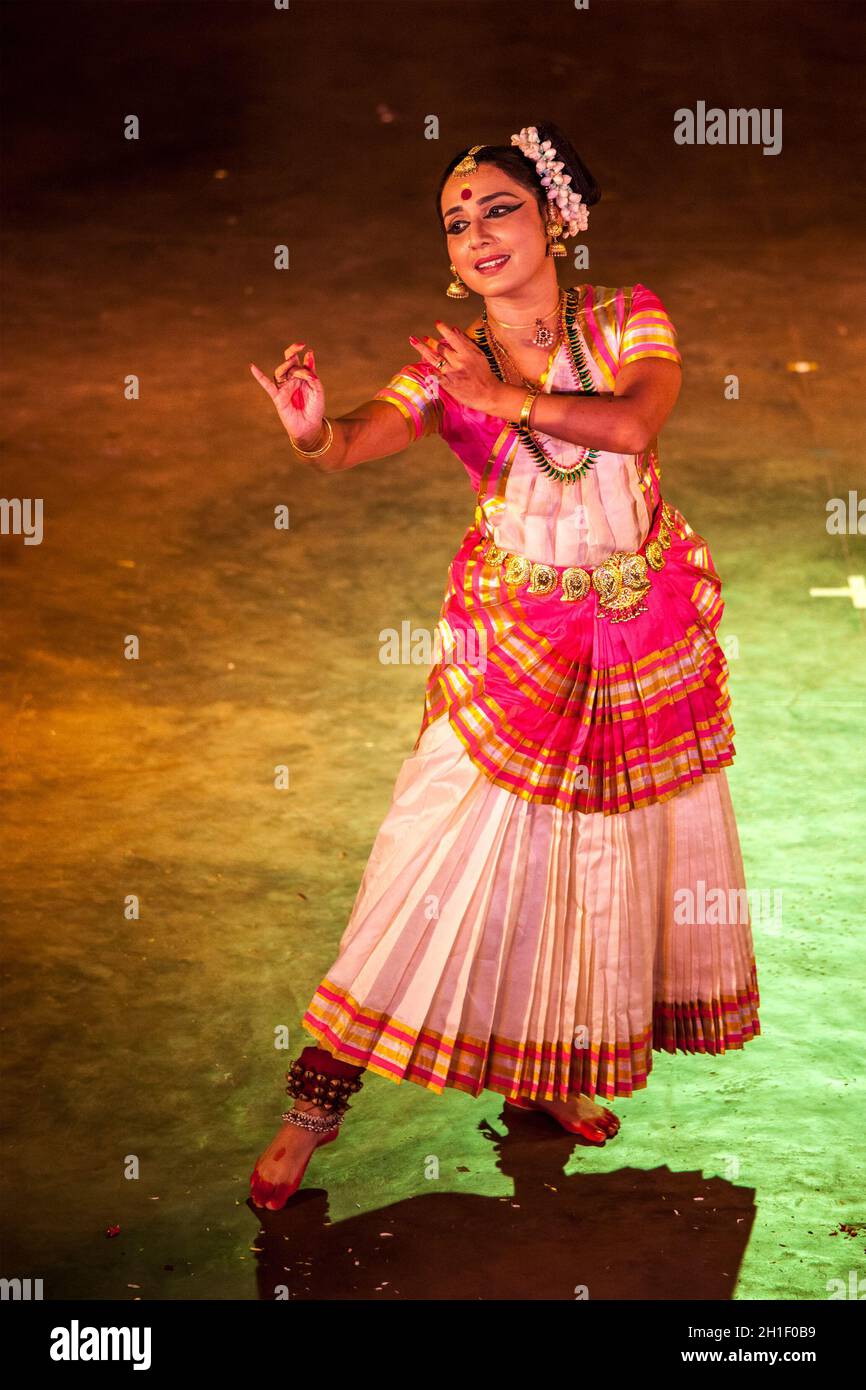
{"x": 276, "y": 1175}
{"x": 580, "y": 1114}
{"x": 596, "y": 1122}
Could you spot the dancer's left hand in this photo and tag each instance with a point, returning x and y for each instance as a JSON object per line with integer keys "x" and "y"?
{"x": 465, "y": 372}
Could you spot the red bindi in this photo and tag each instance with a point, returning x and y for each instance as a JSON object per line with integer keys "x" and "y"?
{"x": 466, "y": 193}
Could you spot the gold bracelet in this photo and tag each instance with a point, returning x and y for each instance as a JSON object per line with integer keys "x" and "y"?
{"x": 526, "y": 410}
{"x": 314, "y": 453}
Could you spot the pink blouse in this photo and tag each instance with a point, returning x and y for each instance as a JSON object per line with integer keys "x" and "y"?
{"x": 529, "y": 513}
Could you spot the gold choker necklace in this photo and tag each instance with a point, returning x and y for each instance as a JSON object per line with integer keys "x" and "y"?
{"x": 503, "y": 324}
{"x": 543, "y": 336}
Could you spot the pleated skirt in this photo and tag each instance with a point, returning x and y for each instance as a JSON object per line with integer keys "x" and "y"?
{"x": 499, "y": 943}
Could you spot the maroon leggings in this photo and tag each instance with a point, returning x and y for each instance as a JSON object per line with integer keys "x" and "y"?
{"x": 320, "y": 1060}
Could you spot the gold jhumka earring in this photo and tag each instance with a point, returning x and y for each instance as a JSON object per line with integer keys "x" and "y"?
{"x": 457, "y": 289}
{"x": 554, "y": 231}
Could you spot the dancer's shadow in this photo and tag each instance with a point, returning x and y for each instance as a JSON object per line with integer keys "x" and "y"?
{"x": 625, "y": 1235}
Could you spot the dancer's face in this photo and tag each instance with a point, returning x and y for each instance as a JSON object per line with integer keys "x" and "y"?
{"x": 499, "y": 222}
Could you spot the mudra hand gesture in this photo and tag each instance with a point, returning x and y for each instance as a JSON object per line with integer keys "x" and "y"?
{"x": 461, "y": 367}
{"x": 297, "y": 392}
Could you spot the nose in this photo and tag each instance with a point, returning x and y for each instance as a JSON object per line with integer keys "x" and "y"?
{"x": 479, "y": 235}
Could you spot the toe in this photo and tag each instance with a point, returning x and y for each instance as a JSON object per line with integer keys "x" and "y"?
{"x": 260, "y": 1191}
{"x": 593, "y": 1132}
{"x": 278, "y": 1197}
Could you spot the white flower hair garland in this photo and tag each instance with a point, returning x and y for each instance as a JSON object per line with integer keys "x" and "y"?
{"x": 574, "y": 212}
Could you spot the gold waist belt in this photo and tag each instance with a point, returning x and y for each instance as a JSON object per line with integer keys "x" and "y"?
{"x": 621, "y": 581}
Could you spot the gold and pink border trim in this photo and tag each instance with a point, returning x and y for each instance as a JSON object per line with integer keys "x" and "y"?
{"x": 536, "y": 1070}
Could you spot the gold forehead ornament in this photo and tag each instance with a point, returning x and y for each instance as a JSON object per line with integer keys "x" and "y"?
{"x": 467, "y": 164}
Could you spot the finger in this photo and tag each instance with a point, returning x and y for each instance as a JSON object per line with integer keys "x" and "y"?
{"x": 264, "y": 381}
{"x": 427, "y": 353}
{"x": 294, "y": 349}
{"x": 453, "y": 336}
{"x": 290, "y": 364}
{"x": 427, "y": 341}
{"x": 443, "y": 348}
{"x": 440, "y": 344}
{"x": 300, "y": 374}
{"x": 286, "y": 373}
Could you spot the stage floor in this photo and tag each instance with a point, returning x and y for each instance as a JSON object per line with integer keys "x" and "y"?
{"x": 153, "y": 1039}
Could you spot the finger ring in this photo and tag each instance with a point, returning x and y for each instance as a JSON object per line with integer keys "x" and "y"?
{"x": 441, "y": 363}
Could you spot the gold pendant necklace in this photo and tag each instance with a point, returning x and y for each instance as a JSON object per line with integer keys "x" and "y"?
{"x": 543, "y": 336}
{"x": 497, "y": 356}
{"x": 504, "y": 357}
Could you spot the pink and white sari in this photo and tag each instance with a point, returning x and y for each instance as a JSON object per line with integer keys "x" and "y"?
{"x": 532, "y": 918}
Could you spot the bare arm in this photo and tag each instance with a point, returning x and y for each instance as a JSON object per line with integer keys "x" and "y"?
{"x": 625, "y": 421}
{"x": 372, "y": 430}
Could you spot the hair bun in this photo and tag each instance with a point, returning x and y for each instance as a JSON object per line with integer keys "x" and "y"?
{"x": 581, "y": 179}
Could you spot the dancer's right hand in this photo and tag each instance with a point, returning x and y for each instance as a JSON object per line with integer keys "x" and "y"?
{"x": 296, "y": 392}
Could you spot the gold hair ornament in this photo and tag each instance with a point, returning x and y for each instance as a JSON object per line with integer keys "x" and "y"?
{"x": 467, "y": 165}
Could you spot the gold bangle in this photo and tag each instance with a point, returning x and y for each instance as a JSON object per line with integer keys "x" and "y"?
{"x": 314, "y": 453}
{"x": 526, "y": 409}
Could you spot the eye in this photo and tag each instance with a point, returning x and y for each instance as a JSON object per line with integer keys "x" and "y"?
{"x": 495, "y": 210}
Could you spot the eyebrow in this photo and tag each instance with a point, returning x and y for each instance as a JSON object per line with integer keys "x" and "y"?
{"x": 505, "y": 192}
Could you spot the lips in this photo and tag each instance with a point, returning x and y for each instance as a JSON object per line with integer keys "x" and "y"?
{"x": 488, "y": 265}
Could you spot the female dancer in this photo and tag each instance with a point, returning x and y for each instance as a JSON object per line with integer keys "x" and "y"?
{"x": 533, "y": 918}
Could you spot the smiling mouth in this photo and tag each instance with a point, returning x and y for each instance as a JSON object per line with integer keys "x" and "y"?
{"x": 488, "y": 264}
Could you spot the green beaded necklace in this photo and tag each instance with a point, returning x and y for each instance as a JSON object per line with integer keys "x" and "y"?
{"x": 588, "y": 457}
